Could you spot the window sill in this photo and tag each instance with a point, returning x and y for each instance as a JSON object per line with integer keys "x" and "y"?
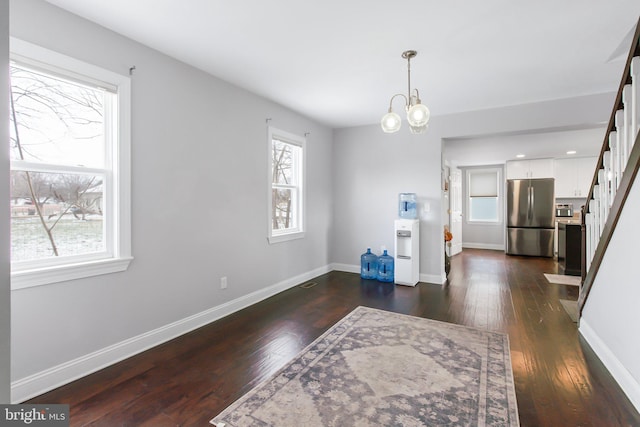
{"x": 48, "y": 275}
{"x": 285, "y": 237}
{"x": 478, "y": 222}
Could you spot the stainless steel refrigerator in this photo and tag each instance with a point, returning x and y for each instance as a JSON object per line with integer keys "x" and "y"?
{"x": 530, "y": 217}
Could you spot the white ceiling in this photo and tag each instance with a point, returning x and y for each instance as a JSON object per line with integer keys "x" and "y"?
{"x": 338, "y": 61}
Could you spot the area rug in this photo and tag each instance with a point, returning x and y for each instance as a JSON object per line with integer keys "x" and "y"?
{"x": 377, "y": 368}
{"x": 571, "y": 307}
{"x": 561, "y": 279}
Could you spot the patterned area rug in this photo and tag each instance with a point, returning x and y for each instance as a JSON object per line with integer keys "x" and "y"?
{"x": 386, "y": 369}
{"x": 380, "y": 368}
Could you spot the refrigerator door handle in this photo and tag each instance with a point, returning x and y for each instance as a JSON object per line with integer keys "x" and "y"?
{"x": 529, "y": 205}
{"x": 533, "y": 200}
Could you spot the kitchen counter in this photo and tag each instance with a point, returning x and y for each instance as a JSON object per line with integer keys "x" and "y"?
{"x": 575, "y": 219}
{"x": 569, "y": 247}
{"x": 572, "y": 220}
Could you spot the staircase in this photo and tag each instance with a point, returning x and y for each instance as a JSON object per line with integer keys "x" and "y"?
{"x": 615, "y": 173}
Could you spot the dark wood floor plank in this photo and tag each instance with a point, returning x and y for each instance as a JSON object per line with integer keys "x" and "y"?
{"x": 559, "y": 381}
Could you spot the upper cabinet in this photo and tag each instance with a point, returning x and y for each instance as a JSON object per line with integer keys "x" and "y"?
{"x": 523, "y": 169}
{"x": 573, "y": 176}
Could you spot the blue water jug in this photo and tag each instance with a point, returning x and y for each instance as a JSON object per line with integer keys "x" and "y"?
{"x": 407, "y": 206}
{"x": 385, "y": 267}
{"x": 368, "y": 265}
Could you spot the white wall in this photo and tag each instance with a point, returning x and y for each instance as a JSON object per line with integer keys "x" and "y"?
{"x": 370, "y": 169}
{"x": 5, "y": 295}
{"x": 610, "y": 316}
{"x": 199, "y": 167}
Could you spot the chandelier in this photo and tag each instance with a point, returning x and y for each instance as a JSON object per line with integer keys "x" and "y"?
{"x": 417, "y": 113}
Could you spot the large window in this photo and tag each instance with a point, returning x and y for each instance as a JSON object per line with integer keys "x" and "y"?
{"x": 69, "y": 151}
{"x": 483, "y": 195}
{"x": 286, "y": 189}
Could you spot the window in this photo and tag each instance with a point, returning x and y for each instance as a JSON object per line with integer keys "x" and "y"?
{"x": 483, "y": 195}
{"x": 286, "y": 189}
{"x": 69, "y": 181}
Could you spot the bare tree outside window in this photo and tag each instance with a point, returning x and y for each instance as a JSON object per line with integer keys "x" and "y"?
{"x": 281, "y": 202}
{"x": 57, "y": 155}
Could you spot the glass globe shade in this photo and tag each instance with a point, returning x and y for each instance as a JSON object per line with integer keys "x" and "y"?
{"x": 418, "y": 115}
{"x": 390, "y": 122}
{"x": 418, "y": 129}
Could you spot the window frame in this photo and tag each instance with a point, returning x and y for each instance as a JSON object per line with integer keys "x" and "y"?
{"x": 117, "y": 171}
{"x": 498, "y": 196}
{"x": 298, "y": 232}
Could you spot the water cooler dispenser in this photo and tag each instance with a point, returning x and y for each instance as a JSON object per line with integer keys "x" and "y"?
{"x": 407, "y": 251}
{"x": 407, "y": 205}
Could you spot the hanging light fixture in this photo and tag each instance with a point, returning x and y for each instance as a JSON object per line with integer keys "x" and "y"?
{"x": 417, "y": 113}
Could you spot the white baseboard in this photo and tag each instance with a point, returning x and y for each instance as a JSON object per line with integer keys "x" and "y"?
{"x": 433, "y": 278}
{"x": 352, "y": 268}
{"x": 348, "y": 268}
{"x": 625, "y": 380}
{"x": 490, "y": 246}
{"x": 41, "y": 382}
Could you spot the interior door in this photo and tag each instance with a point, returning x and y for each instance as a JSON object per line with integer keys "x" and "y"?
{"x": 455, "y": 210}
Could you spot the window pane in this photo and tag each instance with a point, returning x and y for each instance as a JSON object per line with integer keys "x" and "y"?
{"x": 283, "y": 163}
{"x": 67, "y": 220}
{"x": 483, "y": 208}
{"x": 58, "y": 121}
{"x": 283, "y": 204}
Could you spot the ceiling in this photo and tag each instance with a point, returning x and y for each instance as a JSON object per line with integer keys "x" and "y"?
{"x": 339, "y": 61}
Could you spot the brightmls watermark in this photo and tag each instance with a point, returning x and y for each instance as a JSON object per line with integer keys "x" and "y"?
{"x": 34, "y": 415}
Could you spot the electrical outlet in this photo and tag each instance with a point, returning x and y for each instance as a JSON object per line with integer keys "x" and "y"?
{"x": 223, "y": 282}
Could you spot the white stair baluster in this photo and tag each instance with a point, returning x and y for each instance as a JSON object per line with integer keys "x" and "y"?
{"x": 603, "y": 202}
{"x": 589, "y": 246}
{"x": 622, "y": 148}
{"x": 615, "y": 159}
{"x": 597, "y": 213}
{"x": 635, "y": 97}
{"x": 609, "y": 188}
{"x": 595, "y": 209}
{"x": 626, "y": 101}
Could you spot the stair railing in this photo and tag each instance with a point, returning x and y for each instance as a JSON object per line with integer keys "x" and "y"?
{"x": 615, "y": 172}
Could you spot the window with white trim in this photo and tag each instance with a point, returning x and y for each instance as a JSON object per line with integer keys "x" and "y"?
{"x": 286, "y": 185}
{"x": 483, "y": 195}
{"x": 69, "y": 181}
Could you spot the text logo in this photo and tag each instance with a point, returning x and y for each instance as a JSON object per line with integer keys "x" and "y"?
{"x": 34, "y": 415}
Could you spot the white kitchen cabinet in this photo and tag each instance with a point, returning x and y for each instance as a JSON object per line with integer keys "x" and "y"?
{"x": 573, "y": 176}
{"x": 566, "y": 175}
{"x": 522, "y": 169}
{"x": 586, "y": 171}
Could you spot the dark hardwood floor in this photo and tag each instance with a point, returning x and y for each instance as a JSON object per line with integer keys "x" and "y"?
{"x": 559, "y": 381}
